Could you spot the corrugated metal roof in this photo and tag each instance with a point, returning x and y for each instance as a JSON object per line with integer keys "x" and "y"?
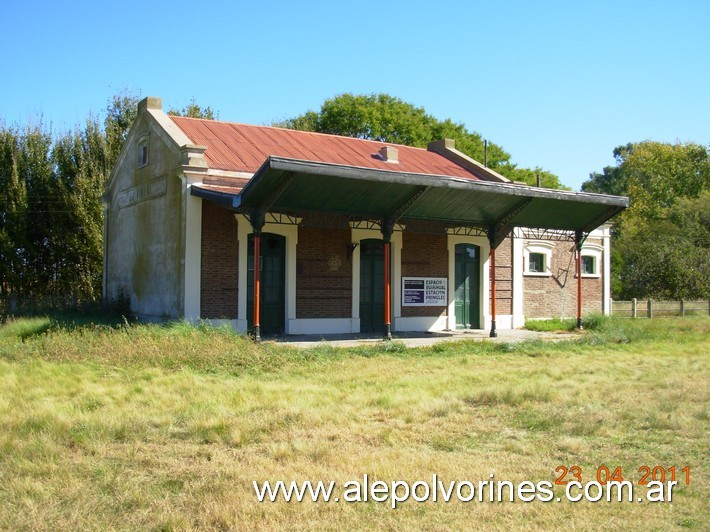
{"x": 244, "y": 148}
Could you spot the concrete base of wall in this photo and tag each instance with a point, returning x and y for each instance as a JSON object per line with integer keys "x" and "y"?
{"x": 222, "y": 323}
{"x": 322, "y": 326}
{"x": 352, "y": 326}
{"x": 420, "y": 323}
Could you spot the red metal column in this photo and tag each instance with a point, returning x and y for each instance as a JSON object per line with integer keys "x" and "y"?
{"x": 388, "y": 291}
{"x": 257, "y": 286}
{"x": 579, "y": 288}
{"x": 494, "y": 332}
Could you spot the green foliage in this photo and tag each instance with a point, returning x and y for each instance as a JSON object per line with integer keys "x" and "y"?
{"x": 51, "y": 212}
{"x": 661, "y": 245}
{"x": 612, "y": 179}
{"x": 24, "y": 328}
{"x": 193, "y": 110}
{"x": 13, "y": 213}
{"x": 385, "y": 118}
{"x": 552, "y": 325}
{"x": 530, "y": 177}
{"x": 52, "y": 223}
{"x": 120, "y": 115}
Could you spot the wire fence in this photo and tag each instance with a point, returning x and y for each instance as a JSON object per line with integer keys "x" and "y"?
{"x": 18, "y": 305}
{"x": 649, "y": 308}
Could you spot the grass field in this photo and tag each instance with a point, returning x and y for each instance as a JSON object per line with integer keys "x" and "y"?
{"x": 147, "y": 427}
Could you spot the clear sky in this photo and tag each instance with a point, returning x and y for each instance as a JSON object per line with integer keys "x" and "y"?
{"x": 558, "y": 84}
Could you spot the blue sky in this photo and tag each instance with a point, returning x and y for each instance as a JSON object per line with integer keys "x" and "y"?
{"x": 558, "y": 84}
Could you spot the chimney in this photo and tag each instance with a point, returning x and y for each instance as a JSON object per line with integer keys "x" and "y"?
{"x": 389, "y": 154}
{"x": 151, "y": 102}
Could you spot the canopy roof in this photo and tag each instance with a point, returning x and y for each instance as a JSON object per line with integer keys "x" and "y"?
{"x": 292, "y": 185}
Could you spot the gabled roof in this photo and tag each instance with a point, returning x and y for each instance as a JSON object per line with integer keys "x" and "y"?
{"x": 281, "y": 170}
{"x": 244, "y": 148}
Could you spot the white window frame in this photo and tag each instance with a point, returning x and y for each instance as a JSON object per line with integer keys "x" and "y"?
{"x": 594, "y": 251}
{"x": 544, "y": 249}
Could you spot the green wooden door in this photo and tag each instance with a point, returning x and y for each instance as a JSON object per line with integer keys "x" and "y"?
{"x": 372, "y": 286}
{"x": 467, "y": 282}
{"x": 272, "y": 281}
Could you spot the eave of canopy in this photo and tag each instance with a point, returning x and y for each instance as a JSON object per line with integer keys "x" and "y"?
{"x": 292, "y": 185}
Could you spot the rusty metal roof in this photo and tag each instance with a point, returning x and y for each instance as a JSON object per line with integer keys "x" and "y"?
{"x": 244, "y": 148}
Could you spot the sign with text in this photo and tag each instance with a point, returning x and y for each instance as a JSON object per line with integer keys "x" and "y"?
{"x": 424, "y": 291}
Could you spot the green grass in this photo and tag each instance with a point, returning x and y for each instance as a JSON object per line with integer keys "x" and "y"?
{"x": 590, "y": 322}
{"x": 117, "y": 425}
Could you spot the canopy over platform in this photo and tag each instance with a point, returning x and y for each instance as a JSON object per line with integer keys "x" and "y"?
{"x": 291, "y": 185}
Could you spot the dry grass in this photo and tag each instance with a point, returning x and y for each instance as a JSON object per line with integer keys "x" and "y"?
{"x": 166, "y": 428}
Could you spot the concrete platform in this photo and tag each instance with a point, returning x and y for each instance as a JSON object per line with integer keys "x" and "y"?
{"x": 416, "y": 339}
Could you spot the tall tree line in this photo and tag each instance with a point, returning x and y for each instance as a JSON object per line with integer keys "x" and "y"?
{"x": 51, "y": 221}
{"x": 51, "y": 209}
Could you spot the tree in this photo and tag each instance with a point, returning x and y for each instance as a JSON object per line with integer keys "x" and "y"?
{"x": 193, "y": 110}
{"x": 385, "y": 118}
{"x": 530, "y": 177}
{"x": 661, "y": 243}
{"x": 121, "y": 112}
{"x": 80, "y": 158}
{"x": 13, "y": 214}
{"x": 51, "y": 212}
{"x": 611, "y": 180}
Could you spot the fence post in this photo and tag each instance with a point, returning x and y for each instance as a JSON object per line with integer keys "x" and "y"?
{"x": 633, "y": 308}
{"x": 650, "y": 308}
{"x": 682, "y": 308}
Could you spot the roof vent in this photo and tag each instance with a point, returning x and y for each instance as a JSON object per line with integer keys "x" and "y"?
{"x": 389, "y": 154}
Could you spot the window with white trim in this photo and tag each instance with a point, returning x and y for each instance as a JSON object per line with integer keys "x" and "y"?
{"x": 589, "y": 265}
{"x": 536, "y": 262}
{"x": 591, "y": 259}
{"x": 537, "y": 258}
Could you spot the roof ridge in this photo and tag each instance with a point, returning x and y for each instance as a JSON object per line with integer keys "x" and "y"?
{"x": 296, "y": 131}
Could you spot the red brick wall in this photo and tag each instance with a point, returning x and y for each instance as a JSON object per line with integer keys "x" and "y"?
{"x": 424, "y": 255}
{"x": 218, "y": 298}
{"x": 324, "y": 273}
{"x": 504, "y": 278}
{"x": 556, "y": 296}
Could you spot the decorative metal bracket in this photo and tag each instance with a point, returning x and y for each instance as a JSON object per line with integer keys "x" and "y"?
{"x": 275, "y": 194}
{"x": 466, "y": 230}
{"x": 556, "y": 235}
{"x": 395, "y": 214}
{"x": 579, "y": 238}
{"x": 257, "y": 219}
{"x": 502, "y": 228}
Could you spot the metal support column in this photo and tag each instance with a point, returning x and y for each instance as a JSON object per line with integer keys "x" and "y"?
{"x": 578, "y": 241}
{"x": 492, "y": 240}
{"x": 257, "y": 223}
{"x": 387, "y": 228}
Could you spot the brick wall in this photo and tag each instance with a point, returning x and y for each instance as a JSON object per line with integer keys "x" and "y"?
{"x": 324, "y": 273}
{"x": 424, "y": 255}
{"x": 556, "y": 296}
{"x": 218, "y": 298}
{"x": 504, "y": 277}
